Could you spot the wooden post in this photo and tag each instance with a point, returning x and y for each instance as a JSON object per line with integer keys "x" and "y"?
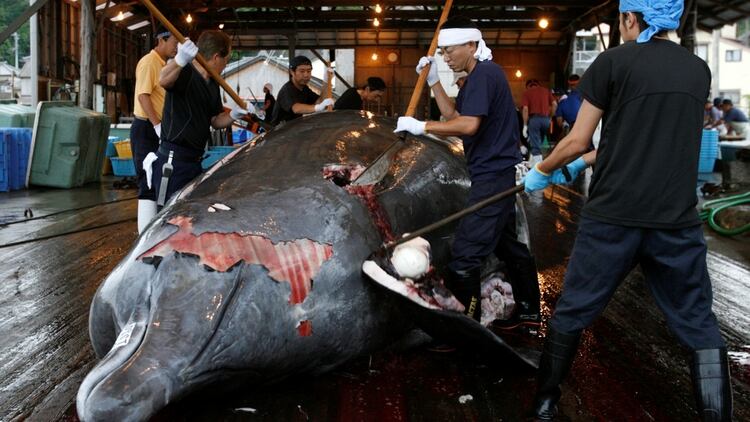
{"x": 614, "y": 32}
{"x": 88, "y": 54}
{"x": 688, "y": 25}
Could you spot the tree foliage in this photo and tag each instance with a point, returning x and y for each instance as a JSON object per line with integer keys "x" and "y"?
{"x": 9, "y": 11}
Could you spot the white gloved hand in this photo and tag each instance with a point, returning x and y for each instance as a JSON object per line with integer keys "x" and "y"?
{"x": 186, "y": 52}
{"x": 148, "y": 164}
{"x": 525, "y": 131}
{"x": 432, "y": 76}
{"x": 157, "y": 129}
{"x": 327, "y": 74}
{"x": 411, "y": 125}
{"x": 323, "y": 104}
{"x": 238, "y": 113}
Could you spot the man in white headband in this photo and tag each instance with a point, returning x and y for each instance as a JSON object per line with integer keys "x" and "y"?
{"x": 484, "y": 116}
{"x": 641, "y": 202}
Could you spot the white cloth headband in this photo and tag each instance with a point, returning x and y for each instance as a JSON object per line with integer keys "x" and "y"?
{"x": 458, "y": 36}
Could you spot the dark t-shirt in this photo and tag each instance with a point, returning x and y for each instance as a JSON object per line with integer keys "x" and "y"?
{"x": 734, "y": 115}
{"x": 349, "y": 100}
{"x": 494, "y": 147}
{"x": 288, "y": 96}
{"x": 271, "y": 104}
{"x": 646, "y": 173}
{"x": 189, "y": 106}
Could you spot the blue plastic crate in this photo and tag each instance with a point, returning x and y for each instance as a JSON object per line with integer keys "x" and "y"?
{"x": 215, "y": 154}
{"x": 709, "y": 151}
{"x": 123, "y": 167}
{"x": 15, "y": 144}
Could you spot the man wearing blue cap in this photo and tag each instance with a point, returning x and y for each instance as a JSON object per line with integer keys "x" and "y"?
{"x": 641, "y": 204}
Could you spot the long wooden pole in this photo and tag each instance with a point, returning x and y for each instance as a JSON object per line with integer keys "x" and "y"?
{"x": 430, "y": 52}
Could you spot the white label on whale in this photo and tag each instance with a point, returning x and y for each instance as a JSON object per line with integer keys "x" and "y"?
{"x": 124, "y": 336}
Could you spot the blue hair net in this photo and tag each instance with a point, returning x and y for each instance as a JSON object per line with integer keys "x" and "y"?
{"x": 659, "y": 15}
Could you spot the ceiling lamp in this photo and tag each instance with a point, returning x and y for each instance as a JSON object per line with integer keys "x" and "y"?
{"x": 189, "y": 18}
{"x": 221, "y": 26}
{"x": 378, "y": 9}
{"x": 376, "y": 22}
{"x": 518, "y": 73}
{"x": 543, "y": 23}
{"x": 120, "y": 16}
{"x": 374, "y": 57}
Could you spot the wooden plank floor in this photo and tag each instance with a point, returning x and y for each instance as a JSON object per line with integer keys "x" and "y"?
{"x": 629, "y": 368}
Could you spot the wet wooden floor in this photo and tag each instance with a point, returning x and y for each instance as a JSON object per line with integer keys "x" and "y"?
{"x": 629, "y": 367}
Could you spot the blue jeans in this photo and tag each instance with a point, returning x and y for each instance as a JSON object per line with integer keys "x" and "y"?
{"x": 538, "y": 127}
{"x": 674, "y": 266}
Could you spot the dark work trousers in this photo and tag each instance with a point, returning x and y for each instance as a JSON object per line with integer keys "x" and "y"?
{"x": 479, "y": 232}
{"x": 186, "y": 165}
{"x": 673, "y": 263}
{"x": 143, "y": 139}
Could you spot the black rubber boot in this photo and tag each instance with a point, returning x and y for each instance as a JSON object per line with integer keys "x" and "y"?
{"x": 524, "y": 280}
{"x": 557, "y": 358}
{"x": 466, "y": 286}
{"x": 713, "y": 389}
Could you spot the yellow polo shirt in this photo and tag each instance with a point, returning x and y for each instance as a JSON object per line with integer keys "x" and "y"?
{"x": 147, "y": 82}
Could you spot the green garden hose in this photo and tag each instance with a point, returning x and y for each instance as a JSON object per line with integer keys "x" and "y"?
{"x": 711, "y": 208}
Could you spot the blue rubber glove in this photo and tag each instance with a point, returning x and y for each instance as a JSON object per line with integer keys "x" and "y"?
{"x": 535, "y": 180}
{"x": 574, "y": 168}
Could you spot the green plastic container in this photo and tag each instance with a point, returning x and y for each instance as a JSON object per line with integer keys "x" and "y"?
{"x": 16, "y": 115}
{"x": 122, "y": 131}
{"x": 69, "y": 145}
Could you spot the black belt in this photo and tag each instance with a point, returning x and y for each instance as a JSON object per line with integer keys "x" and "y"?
{"x": 180, "y": 154}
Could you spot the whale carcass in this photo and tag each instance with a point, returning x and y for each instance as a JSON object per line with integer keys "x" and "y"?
{"x": 252, "y": 272}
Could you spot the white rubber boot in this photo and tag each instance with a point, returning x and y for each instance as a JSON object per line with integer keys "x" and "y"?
{"x": 146, "y": 213}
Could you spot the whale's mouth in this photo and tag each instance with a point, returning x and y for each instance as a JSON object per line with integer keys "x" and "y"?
{"x": 126, "y": 345}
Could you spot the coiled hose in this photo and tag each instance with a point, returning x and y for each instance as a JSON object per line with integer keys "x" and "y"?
{"x": 711, "y": 208}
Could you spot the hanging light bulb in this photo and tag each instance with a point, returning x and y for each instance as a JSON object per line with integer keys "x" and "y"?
{"x": 376, "y": 22}
{"x": 543, "y": 23}
{"x": 221, "y": 26}
{"x": 120, "y": 16}
{"x": 518, "y": 73}
{"x": 189, "y": 18}
{"x": 374, "y": 57}
{"x": 378, "y": 9}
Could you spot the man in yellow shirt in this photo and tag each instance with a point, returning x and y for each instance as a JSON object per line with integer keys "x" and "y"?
{"x": 146, "y": 129}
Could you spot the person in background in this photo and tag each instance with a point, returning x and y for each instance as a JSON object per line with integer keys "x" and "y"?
{"x": 734, "y": 119}
{"x": 354, "y": 98}
{"x": 295, "y": 97}
{"x": 712, "y": 117}
{"x": 269, "y": 102}
{"x": 146, "y": 128}
{"x": 538, "y": 105}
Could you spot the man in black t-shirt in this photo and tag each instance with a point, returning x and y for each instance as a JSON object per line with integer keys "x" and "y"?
{"x": 354, "y": 98}
{"x": 641, "y": 205}
{"x": 295, "y": 97}
{"x": 191, "y": 107}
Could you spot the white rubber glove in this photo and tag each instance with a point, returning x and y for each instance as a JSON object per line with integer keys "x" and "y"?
{"x": 432, "y": 76}
{"x": 323, "y": 104}
{"x": 411, "y": 125}
{"x": 525, "y": 131}
{"x": 412, "y": 259}
{"x": 238, "y": 113}
{"x": 157, "y": 129}
{"x": 186, "y": 52}
{"x": 327, "y": 75}
{"x": 148, "y": 164}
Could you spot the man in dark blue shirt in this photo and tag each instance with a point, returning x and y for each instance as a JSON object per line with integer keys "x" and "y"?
{"x": 484, "y": 116}
{"x": 734, "y": 119}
